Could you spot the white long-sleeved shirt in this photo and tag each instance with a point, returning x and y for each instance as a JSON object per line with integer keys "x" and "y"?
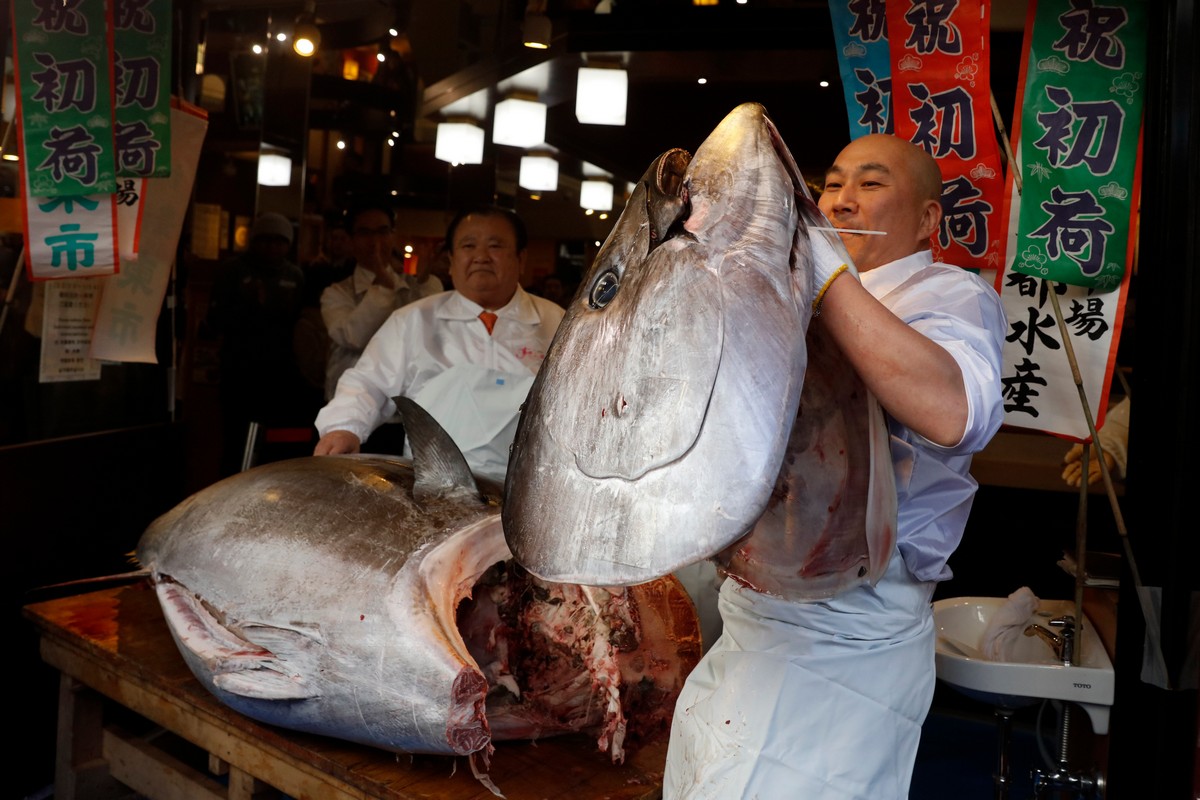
{"x": 959, "y": 311}
{"x": 438, "y": 348}
{"x": 354, "y": 308}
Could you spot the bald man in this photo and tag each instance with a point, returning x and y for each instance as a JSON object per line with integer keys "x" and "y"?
{"x": 826, "y": 699}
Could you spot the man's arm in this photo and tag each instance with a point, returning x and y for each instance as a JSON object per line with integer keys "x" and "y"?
{"x": 352, "y": 324}
{"x": 916, "y": 380}
{"x": 364, "y": 392}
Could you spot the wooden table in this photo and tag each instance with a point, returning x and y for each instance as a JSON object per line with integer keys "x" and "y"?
{"x": 130, "y": 710}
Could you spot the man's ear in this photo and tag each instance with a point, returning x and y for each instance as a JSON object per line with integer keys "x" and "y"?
{"x": 931, "y": 217}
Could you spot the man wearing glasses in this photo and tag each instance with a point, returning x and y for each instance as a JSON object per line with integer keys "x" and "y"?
{"x": 354, "y": 308}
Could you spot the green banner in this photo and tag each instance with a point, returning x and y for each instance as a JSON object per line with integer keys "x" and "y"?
{"x": 64, "y": 65}
{"x": 1080, "y": 121}
{"x": 142, "y": 41}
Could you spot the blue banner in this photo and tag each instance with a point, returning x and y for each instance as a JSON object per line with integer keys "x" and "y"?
{"x": 860, "y": 31}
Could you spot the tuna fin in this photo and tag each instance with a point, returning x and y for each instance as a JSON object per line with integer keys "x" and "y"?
{"x": 237, "y": 665}
{"x": 262, "y": 684}
{"x": 439, "y": 465}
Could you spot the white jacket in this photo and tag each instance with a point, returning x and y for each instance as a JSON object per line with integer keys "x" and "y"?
{"x": 354, "y": 308}
{"x": 439, "y": 353}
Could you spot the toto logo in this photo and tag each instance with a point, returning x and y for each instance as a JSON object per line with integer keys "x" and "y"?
{"x": 1082, "y": 685}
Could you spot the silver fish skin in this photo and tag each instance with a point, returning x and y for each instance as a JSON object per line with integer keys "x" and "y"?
{"x": 654, "y": 433}
{"x": 349, "y": 596}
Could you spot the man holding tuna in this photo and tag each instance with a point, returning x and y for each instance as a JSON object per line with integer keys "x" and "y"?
{"x": 838, "y": 690}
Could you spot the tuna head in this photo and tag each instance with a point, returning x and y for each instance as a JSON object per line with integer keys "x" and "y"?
{"x": 373, "y": 599}
{"x": 655, "y": 430}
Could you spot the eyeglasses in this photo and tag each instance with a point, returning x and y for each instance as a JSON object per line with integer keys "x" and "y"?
{"x": 365, "y": 232}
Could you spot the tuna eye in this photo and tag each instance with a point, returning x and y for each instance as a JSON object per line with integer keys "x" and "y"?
{"x": 604, "y": 289}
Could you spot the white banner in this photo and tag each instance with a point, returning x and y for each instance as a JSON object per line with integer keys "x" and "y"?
{"x": 70, "y": 237}
{"x": 128, "y": 315}
{"x": 1038, "y": 386}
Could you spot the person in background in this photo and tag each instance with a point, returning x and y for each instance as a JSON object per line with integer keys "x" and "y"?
{"x": 310, "y": 340}
{"x": 256, "y": 300}
{"x": 334, "y": 263}
{"x": 826, "y": 699}
{"x": 355, "y": 307}
{"x": 467, "y": 356}
{"x": 1114, "y": 440}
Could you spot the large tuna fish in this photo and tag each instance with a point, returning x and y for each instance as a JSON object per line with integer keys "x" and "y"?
{"x": 360, "y": 598}
{"x": 660, "y": 427}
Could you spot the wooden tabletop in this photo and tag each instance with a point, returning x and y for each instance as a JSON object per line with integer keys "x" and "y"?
{"x": 116, "y": 642}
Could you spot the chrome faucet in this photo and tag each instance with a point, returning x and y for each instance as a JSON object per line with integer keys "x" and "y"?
{"x": 1062, "y": 643}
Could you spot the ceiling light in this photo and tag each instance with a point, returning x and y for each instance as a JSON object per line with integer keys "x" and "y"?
{"x": 459, "y": 143}
{"x": 519, "y": 122}
{"x": 274, "y": 170}
{"x": 538, "y": 173}
{"x": 393, "y": 32}
{"x": 600, "y": 96}
{"x": 824, "y": 84}
{"x": 380, "y": 57}
{"x": 256, "y": 49}
{"x": 341, "y": 145}
{"x": 702, "y": 81}
{"x": 537, "y": 31}
{"x": 596, "y": 195}
{"x": 306, "y": 38}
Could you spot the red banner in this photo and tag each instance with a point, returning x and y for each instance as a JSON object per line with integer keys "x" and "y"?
{"x": 941, "y": 101}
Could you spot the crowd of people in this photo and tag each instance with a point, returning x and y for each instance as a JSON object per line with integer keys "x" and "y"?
{"x": 926, "y": 338}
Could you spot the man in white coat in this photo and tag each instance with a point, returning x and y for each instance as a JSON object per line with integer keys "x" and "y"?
{"x": 826, "y": 699}
{"x": 467, "y": 356}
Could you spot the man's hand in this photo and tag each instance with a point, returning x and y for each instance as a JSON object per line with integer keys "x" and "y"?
{"x": 337, "y": 442}
{"x": 1072, "y": 474}
{"x": 827, "y": 264}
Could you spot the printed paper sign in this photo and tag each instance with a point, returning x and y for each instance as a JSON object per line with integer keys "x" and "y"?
{"x": 70, "y": 308}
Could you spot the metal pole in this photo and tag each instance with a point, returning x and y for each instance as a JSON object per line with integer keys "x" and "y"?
{"x": 1002, "y": 779}
{"x": 12, "y": 287}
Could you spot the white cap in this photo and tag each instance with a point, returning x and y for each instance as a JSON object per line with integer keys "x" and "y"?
{"x": 272, "y": 225}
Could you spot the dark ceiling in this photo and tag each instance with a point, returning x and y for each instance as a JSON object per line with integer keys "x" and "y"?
{"x": 454, "y": 52}
{"x": 773, "y": 52}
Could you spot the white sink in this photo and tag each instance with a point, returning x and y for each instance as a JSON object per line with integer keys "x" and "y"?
{"x": 1032, "y": 671}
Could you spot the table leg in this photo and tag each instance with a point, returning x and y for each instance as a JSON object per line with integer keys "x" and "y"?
{"x": 81, "y": 771}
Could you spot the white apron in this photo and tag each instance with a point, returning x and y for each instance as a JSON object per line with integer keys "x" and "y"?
{"x": 819, "y": 700}
{"x": 479, "y": 408}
